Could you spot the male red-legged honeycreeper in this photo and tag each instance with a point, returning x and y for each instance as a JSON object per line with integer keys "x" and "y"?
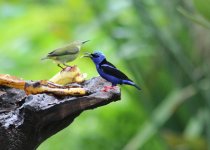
{"x": 108, "y": 71}
{"x": 65, "y": 54}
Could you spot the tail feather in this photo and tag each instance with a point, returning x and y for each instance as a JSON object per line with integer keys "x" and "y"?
{"x": 44, "y": 58}
{"x": 131, "y": 83}
{"x": 136, "y": 86}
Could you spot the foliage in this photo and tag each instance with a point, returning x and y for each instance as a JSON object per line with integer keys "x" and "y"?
{"x": 162, "y": 50}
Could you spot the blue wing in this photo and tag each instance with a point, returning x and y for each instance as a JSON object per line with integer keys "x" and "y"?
{"x": 110, "y": 69}
{"x": 105, "y": 62}
{"x": 113, "y": 71}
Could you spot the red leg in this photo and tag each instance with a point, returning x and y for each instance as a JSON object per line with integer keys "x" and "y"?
{"x": 107, "y": 88}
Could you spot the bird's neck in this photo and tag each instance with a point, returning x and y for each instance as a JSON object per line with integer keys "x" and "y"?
{"x": 102, "y": 62}
{"x": 98, "y": 62}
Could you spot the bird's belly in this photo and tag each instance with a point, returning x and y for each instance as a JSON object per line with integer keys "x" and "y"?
{"x": 66, "y": 58}
{"x": 110, "y": 78}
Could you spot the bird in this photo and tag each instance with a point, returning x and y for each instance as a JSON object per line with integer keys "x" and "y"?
{"x": 65, "y": 54}
{"x": 108, "y": 71}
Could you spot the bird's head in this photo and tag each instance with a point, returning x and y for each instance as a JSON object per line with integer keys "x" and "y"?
{"x": 97, "y": 57}
{"x": 79, "y": 43}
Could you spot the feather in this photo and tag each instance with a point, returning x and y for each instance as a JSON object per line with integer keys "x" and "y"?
{"x": 109, "y": 72}
{"x": 64, "y": 51}
{"x": 113, "y": 72}
{"x": 131, "y": 83}
{"x": 106, "y": 62}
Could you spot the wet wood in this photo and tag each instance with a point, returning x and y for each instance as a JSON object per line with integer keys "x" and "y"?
{"x": 27, "y": 120}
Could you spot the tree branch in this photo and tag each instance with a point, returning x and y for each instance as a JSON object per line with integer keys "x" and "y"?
{"x": 26, "y": 121}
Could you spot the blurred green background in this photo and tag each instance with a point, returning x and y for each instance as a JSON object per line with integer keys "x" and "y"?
{"x": 162, "y": 45}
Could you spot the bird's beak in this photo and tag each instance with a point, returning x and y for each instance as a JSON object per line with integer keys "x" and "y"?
{"x": 85, "y": 41}
{"x": 86, "y": 54}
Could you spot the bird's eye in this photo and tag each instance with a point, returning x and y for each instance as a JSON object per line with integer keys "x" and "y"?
{"x": 95, "y": 55}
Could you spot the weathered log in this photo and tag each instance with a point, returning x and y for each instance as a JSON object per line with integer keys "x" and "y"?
{"x": 27, "y": 120}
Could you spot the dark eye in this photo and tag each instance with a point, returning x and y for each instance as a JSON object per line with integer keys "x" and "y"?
{"x": 95, "y": 55}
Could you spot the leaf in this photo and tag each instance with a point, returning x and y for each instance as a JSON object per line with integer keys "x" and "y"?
{"x": 195, "y": 18}
{"x": 159, "y": 116}
{"x": 203, "y": 7}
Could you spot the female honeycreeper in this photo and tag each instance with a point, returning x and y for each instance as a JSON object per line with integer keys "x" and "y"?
{"x": 108, "y": 71}
{"x": 65, "y": 54}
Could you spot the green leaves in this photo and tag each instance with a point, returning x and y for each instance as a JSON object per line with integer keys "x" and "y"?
{"x": 164, "y": 51}
{"x": 203, "y": 8}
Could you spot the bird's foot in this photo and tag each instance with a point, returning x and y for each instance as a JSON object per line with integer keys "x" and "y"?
{"x": 59, "y": 66}
{"x": 107, "y": 88}
{"x": 69, "y": 68}
{"x": 66, "y": 68}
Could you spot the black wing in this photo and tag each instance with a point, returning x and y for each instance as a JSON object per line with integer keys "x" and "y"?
{"x": 107, "y": 63}
{"x": 113, "y": 71}
{"x": 64, "y": 51}
{"x": 54, "y": 53}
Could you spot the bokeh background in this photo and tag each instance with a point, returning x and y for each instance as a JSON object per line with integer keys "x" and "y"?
{"x": 162, "y": 45}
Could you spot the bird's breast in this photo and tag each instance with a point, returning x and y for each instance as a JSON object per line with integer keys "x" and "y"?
{"x": 108, "y": 77}
{"x": 67, "y": 58}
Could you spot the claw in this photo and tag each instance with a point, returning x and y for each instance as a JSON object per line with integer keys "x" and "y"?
{"x": 107, "y": 88}
{"x": 60, "y": 66}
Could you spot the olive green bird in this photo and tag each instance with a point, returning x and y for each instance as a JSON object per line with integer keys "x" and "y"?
{"x": 65, "y": 54}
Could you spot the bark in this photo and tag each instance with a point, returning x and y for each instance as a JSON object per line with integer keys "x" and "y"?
{"x": 27, "y": 120}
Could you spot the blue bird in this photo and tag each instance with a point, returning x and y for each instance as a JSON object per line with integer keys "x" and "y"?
{"x": 108, "y": 71}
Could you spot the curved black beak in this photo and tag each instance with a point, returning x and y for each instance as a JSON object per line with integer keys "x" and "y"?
{"x": 85, "y": 41}
{"x": 87, "y": 54}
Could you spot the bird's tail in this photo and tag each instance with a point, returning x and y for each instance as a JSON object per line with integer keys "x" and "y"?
{"x": 131, "y": 83}
{"x": 44, "y": 58}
